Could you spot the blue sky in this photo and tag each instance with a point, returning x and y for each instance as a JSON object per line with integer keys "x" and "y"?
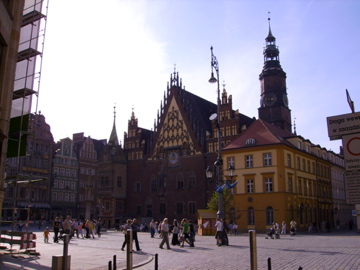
{"x": 122, "y": 53}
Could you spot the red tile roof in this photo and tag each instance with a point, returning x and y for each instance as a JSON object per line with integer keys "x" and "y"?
{"x": 263, "y": 133}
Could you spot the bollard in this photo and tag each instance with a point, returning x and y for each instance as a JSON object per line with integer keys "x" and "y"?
{"x": 156, "y": 261}
{"x": 114, "y": 262}
{"x": 253, "y": 250}
{"x": 109, "y": 266}
{"x": 300, "y": 268}
{"x": 269, "y": 263}
{"x": 129, "y": 258}
{"x": 65, "y": 252}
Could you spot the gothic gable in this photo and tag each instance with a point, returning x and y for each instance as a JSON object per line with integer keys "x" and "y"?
{"x": 174, "y": 133}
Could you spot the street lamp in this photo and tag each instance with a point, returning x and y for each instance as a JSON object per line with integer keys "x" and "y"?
{"x": 218, "y": 163}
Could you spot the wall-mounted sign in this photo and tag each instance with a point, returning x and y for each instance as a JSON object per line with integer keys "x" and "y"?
{"x": 343, "y": 125}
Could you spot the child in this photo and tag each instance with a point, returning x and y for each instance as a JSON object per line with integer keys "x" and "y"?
{"x": 46, "y": 235}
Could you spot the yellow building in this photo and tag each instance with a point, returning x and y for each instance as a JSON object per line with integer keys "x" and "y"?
{"x": 281, "y": 176}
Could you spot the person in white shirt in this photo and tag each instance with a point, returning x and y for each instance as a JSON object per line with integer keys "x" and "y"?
{"x": 219, "y": 231}
{"x": 165, "y": 234}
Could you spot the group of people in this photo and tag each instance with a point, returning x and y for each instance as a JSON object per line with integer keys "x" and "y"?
{"x": 182, "y": 232}
{"x": 86, "y": 229}
{"x": 275, "y": 230}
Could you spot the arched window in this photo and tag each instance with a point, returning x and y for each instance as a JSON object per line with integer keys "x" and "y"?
{"x": 269, "y": 215}
{"x": 251, "y": 216}
{"x": 192, "y": 180}
{"x": 180, "y": 181}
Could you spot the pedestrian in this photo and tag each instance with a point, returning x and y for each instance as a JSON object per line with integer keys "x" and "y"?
{"x": 191, "y": 234}
{"x": 67, "y": 225}
{"x": 75, "y": 228}
{"x": 126, "y": 227}
{"x": 283, "y": 228}
{"x": 56, "y": 229}
{"x": 156, "y": 229}
{"x": 225, "y": 239}
{"x": 92, "y": 229}
{"x": 135, "y": 229}
{"x": 235, "y": 228}
{"x": 219, "y": 230}
{"x": 165, "y": 234}
{"x": 185, "y": 231}
{"x": 98, "y": 227}
{"x": 152, "y": 228}
{"x": 46, "y": 235}
{"x": 80, "y": 229}
{"x": 87, "y": 228}
{"x": 175, "y": 232}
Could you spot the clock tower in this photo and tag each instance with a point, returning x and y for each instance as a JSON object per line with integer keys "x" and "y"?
{"x": 273, "y": 101}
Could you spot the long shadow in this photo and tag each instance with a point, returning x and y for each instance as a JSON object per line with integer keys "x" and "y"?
{"x": 8, "y": 261}
{"x": 307, "y": 251}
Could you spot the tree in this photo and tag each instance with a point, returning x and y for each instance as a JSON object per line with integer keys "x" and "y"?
{"x": 227, "y": 200}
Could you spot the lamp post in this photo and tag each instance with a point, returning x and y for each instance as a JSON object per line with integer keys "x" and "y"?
{"x": 218, "y": 163}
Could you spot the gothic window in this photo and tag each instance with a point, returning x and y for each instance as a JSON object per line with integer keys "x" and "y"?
{"x": 180, "y": 181}
{"x": 192, "y": 180}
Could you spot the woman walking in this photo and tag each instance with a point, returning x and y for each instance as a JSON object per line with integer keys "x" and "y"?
{"x": 175, "y": 237}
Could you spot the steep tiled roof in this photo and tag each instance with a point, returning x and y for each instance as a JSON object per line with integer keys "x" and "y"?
{"x": 263, "y": 133}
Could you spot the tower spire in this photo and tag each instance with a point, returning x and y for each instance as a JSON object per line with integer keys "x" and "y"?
{"x": 274, "y": 102}
{"x": 113, "y": 140}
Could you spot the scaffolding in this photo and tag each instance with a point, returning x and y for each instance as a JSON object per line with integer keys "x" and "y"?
{"x": 26, "y": 86}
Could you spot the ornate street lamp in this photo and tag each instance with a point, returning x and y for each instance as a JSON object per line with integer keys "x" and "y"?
{"x": 218, "y": 163}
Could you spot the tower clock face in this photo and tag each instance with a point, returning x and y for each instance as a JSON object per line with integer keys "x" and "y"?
{"x": 173, "y": 158}
{"x": 269, "y": 99}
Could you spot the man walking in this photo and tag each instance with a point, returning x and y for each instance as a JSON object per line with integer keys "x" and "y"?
{"x": 135, "y": 229}
{"x": 165, "y": 234}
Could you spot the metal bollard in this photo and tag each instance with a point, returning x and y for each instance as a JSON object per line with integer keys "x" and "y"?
{"x": 253, "y": 250}
{"x": 129, "y": 257}
{"x": 114, "y": 262}
{"x": 269, "y": 263}
{"x": 65, "y": 251}
{"x": 156, "y": 261}
{"x": 109, "y": 266}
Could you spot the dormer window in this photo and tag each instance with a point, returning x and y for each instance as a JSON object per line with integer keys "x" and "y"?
{"x": 250, "y": 141}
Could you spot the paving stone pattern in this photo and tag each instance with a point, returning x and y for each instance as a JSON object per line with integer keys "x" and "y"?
{"x": 334, "y": 251}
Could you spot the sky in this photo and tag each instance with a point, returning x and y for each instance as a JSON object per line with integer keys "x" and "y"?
{"x": 121, "y": 53}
